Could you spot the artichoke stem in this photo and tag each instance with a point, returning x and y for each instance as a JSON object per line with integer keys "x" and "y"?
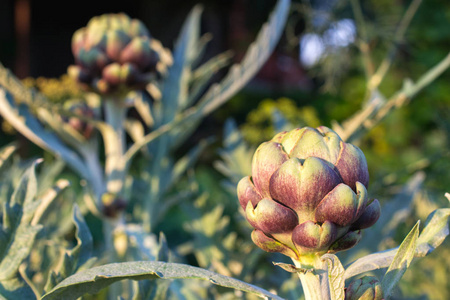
{"x": 312, "y": 276}
{"x": 115, "y": 111}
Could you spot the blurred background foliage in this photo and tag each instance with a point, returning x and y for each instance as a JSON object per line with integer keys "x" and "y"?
{"x": 291, "y": 90}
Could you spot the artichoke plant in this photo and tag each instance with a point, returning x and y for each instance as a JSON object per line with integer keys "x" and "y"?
{"x": 307, "y": 195}
{"x": 115, "y": 53}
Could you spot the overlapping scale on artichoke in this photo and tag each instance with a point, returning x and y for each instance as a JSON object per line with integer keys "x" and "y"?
{"x": 307, "y": 193}
{"x": 115, "y": 53}
{"x": 365, "y": 288}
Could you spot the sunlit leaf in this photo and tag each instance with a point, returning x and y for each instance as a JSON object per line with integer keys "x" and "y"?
{"x": 401, "y": 262}
{"x": 433, "y": 234}
{"x": 336, "y": 280}
{"x": 93, "y": 280}
{"x": 17, "y": 234}
{"x": 20, "y": 117}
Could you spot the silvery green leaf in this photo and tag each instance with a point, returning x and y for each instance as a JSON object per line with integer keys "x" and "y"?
{"x": 236, "y": 155}
{"x": 18, "y": 234}
{"x": 336, "y": 281}
{"x": 144, "y": 242}
{"x": 291, "y": 268}
{"x": 93, "y": 280}
{"x": 5, "y": 154}
{"x": 433, "y": 234}
{"x": 401, "y": 261}
{"x": 15, "y": 288}
{"x": 77, "y": 259}
{"x": 393, "y": 213}
{"x": 254, "y": 58}
{"x": 204, "y": 74}
{"x": 83, "y": 250}
{"x": 154, "y": 289}
{"x": 22, "y": 120}
{"x": 48, "y": 175}
{"x": 188, "y": 160}
{"x": 47, "y": 199}
{"x": 238, "y": 76}
{"x": 176, "y": 84}
{"x": 62, "y": 129}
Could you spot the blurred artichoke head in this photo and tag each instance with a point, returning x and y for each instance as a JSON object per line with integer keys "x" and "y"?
{"x": 365, "y": 288}
{"x": 116, "y": 54}
{"x": 79, "y": 124}
{"x": 307, "y": 194}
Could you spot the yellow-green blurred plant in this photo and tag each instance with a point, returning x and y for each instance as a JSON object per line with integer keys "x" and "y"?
{"x": 55, "y": 89}
{"x": 259, "y": 125}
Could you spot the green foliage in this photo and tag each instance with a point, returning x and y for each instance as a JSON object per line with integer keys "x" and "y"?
{"x": 93, "y": 280}
{"x": 260, "y": 127}
{"x": 50, "y": 234}
{"x": 401, "y": 261}
{"x": 55, "y": 89}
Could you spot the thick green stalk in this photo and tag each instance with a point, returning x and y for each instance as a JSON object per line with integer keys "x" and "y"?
{"x": 115, "y": 146}
{"x": 114, "y": 138}
{"x": 311, "y": 278}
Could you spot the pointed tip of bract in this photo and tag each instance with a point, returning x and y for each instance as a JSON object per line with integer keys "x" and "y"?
{"x": 313, "y": 237}
{"x": 271, "y": 245}
{"x": 247, "y": 193}
{"x": 369, "y": 217}
{"x": 348, "y": 241}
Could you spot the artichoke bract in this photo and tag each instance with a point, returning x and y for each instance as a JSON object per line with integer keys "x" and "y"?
{"x": 365, "y": 288}
{"x": 115, "y": 53}
{"x": 307, "y": 195}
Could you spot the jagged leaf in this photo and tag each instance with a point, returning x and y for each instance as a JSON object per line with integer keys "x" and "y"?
{"x": 336, "y": 281}
{"x": 401, "y": 262}
{"x": 20, "y": 117}
{"x": 15, "y": 288}
{"x": 238, "y": 76}
{"x": 435, "y": 231}
{"x": 95, "y": 279}
{"x": 17, "y": 233}
{"x": 254, "y": 59}
{"x": 83, "y": 250}
{"x": 175, "y": 86}
{"x": 204, "y": 74}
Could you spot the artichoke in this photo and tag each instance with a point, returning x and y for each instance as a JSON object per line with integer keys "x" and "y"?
{"x": 365, "y": 288}
{"x": 307, "y": 195}
{"x": 114, "y": 53}
{"x": 84, "y": 128}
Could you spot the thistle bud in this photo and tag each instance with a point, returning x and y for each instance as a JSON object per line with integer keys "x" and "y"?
{"x": 307, "y": 193}
{"x": 115, "y": 54}
{"x": 83, "y": 110}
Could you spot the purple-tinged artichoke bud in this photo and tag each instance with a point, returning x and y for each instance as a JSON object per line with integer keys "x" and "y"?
{"x": 115, "y": 54}
{"x": 82, "y": 127}
{"x": 307, "y": 194}
{"x": 112, "y": 205}
{"x": 365, "y": 288}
